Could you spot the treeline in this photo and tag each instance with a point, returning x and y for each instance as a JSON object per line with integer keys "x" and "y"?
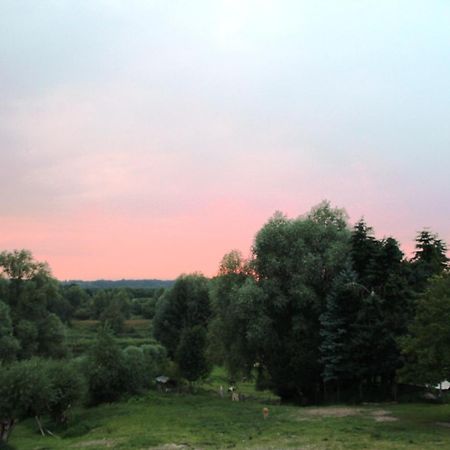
{"x": 321, "y": 311}
{"x": 107, "y": 305}
{"x": 124, "y": 283}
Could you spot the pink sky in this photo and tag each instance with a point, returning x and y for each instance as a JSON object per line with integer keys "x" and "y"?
{"x": 140, "y": 140}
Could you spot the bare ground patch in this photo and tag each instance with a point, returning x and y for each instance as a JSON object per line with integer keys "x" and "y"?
{"x": 381, "y": 415}
{"x": 344, "y": 411}
{"x": 172, "y": 446}
{"x": 108, "y": 443}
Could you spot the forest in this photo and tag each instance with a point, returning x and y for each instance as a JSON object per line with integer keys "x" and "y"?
{"x": 321, "y": 312}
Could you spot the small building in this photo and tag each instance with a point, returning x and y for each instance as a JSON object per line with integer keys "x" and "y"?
{"x": 165, "y": 384}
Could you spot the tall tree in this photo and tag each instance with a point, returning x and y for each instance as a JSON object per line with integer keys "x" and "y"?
{"x": 384, "y": 315}
{"x": 430, "y": 258}
{"x": 296, "y": 262}
{"x": 339, "y": 332}
{"x": 105, "y": 368}
{"x": 185, "y": 306}
{"x": 32, "y": 293}
{"x": 232, "y": 315}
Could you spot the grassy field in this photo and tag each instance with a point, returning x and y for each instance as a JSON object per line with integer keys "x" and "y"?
{"x": 82, "y": 333}
{"x": 205, "y": 421}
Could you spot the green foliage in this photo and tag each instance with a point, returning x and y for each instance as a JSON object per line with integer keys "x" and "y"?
{"x": 105, "y": 369}
{"x": 191, "y": 355}
{"x": 339, "y": 329}
{"x": 36, "y": 387}
{"x": 206, "y": 421}
{"x": 427, "y": 347}
{"x": 229, "y": 342}
{"x": 296, "y": 262}
{"x": 9, "y": 345}
{"x": 184, "y": 307}
{"x": 68, "y": 388}
{"x": 52, "y": 337}
{"x": 385, "y": 309}
{"x": 430, "y": 258}
{"x": 32, "y": 294}
{"x": 112, "y": 307}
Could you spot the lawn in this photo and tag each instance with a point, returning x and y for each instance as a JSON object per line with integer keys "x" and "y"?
{"x": 204, "y": 420}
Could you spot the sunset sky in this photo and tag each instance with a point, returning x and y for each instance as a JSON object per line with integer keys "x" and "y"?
{"x": 144, "y": 139}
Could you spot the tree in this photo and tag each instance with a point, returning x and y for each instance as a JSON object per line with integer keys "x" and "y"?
{"x": 31, "y": 293}
{"x": 9, "y": 345}
{"x": 112, "y": 306}
{"x": 295, "y": 263}
{"x": 68, "y": 388}
{"x": 24, "y": 392}
{"x": 35, "y": 387}
{"x": 430, "y": 258}
{"x": 383, "y": 316}
{"x": 339, "y": 331}
{"x": 185, "y": 306}
{"x": 427, "y": 347}
{"x": 190, "y": 355}
{"x": 105, "y": 369}
{"x": 228, "y": 330}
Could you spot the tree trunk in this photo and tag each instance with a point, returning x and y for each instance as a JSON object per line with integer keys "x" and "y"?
{"x": 6, "y": 427}
{"x": 41, "y": 429}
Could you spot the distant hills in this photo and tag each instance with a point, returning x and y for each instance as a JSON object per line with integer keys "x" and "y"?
{"x": 109, "y": 284}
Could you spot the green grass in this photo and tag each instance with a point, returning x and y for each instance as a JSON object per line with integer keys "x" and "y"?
{"x": 206, "y": 421}
{"x": 82, "y": 333}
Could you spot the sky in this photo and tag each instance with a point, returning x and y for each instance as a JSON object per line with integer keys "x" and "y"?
{"x": 145, "y": 139}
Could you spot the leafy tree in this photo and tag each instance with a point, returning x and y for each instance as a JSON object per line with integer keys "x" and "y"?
{"x": 112, "y": 307}
{"x": 36, "y": 387}
{"x": 228, "y": 330}
{"x": 105, "y": 369}
{"x": 68, "y": 388}
{"x": 427, "y": 347}
{"x": 137, "y": 370}
{"x": 9, "y": 345}
{"x": 190, "y": 355}
{"x": 182, "y": 308}
{"x": 31, "y": 294}
{"x": 24, "y": 392}
{"x": 113, "y": 316}
{"x": 79, "y": 301}
{"x": 296, "y": 262}
{"x": 52, "y": 337}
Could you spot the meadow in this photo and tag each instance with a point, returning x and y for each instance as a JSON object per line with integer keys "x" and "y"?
{"x": 204, "y": 420}
{"x": 82, "y": 333}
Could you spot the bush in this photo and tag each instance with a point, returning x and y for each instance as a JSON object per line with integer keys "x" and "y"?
{"x": 105, "y": 369}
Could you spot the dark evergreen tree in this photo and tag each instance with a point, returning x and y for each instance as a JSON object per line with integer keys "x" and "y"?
{"x": 385, "y": 311}
{"x": 430, "y": 259}
{"x": 339, "y": 331}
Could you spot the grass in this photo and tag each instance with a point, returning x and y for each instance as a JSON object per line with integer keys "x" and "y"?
{"x": 82, "y": 333}
{"x": 206, "y": 421}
